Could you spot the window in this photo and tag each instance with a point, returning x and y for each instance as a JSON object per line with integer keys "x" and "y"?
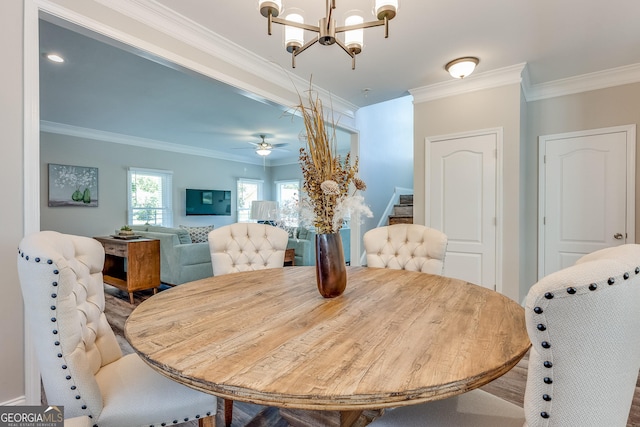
{"x": 149, "y": 197}
{"x": 248, "y": 191}
{"x": 287, "y": 195}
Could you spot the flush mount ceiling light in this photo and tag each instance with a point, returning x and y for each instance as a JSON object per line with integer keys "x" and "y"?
{"x": 54, "y": 57}
{"x": 462, "y": 67}
{"x": 385, "y": 10}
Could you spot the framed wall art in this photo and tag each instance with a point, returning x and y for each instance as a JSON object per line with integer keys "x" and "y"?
{"x": 73, "y": 185}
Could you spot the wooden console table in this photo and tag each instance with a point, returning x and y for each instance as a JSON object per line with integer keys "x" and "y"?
{"x": 289, "y": 257}
{"x": 131, "y": 265}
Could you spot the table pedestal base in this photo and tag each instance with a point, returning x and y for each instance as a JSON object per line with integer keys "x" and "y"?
{"x": 306, "y": 418}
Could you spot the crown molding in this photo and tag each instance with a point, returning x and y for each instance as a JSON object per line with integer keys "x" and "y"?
{"x": 475, "y": 82}
{"x": 163, "y": 19}
{"x": 532, "y": 92}
{"x": 118, "y": 138}
{"x": 584, "y": 83}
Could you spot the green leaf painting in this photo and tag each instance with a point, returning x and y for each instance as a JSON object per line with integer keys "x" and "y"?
{"x": 72, "y": 185}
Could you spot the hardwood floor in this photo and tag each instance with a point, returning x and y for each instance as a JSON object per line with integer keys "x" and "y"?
{"x": 510, "y": 386}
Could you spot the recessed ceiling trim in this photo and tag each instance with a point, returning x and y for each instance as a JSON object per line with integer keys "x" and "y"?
{"x": 480, "y": 81}
{"x": 163, "y": 19}
{"x": 118, "y": 138}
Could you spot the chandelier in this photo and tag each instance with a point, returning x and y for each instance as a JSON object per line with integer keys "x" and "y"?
{"x": 326, "y": 29}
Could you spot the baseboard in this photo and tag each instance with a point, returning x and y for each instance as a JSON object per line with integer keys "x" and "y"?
{"x": 18, "y": 401}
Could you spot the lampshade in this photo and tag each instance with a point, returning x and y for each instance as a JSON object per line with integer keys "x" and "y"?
{"x": 386, "y": 8}
{"x": 462, "y": 67}
{"x": 264, "y": 210}
{"x": 273, "y": 6}
{"x": 293, "y": 37}
{"x": 263, "y": 152}
{"x": 354, "y": 39}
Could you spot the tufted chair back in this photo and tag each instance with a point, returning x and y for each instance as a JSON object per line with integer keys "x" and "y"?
{"x": 246, "y": 246}
{"x": 61, "y": 280}
{"x": 584, "y": 325}
{"x": 80, "y": 361}
{"x": 406, "y": 247}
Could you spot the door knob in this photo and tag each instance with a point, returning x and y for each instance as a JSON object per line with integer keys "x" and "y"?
{"x": 617, "y": 236}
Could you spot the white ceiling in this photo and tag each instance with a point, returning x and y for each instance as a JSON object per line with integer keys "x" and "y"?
{"x": 111, "y": 90}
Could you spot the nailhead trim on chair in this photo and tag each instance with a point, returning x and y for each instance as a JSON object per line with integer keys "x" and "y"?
{"x": 542, "y": 328}
{"x": 54, "y": 320}
{"x": 56, "y": 343}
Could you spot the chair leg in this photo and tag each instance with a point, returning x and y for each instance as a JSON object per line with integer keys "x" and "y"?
{"x": 228, "y": 412}
{"x": 207, "y": 422}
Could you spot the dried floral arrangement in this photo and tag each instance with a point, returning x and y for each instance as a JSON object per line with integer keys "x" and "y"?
{"x": 327, "y": 177}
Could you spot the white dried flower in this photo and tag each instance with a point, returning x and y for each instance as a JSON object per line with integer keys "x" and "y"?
{"x": 352, "y": 207}
{"x": 330, "y": 187}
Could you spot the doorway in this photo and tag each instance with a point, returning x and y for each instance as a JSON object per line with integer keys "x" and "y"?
{"x": 586, "y": 194}
{"x": 34, "y": 11}
{"x": 463, "y": 200}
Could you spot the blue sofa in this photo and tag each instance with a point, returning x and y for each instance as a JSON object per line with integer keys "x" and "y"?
{"x": 180, "y": 260}
{"x": 303, "y": 242}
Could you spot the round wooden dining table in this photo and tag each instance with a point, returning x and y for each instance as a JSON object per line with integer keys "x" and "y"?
{"x": 393, "y": 338}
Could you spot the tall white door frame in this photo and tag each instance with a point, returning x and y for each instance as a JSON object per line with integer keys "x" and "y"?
{"x": 630, "y": 131}
{"x": 499, "y": 230}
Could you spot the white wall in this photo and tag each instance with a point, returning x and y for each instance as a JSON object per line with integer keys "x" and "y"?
{"x": 614, "y": 106}
{"x": 12, "y": 356}
{"x": 285, "y": 173}
{"x": 483, "y": 109}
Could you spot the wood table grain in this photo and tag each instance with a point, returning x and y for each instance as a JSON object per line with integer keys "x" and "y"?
{"x": 393, "y": 338}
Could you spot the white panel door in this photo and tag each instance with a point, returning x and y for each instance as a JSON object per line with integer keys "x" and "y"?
{"x": 585, "y": 180}
{"x": 462, "y": 204}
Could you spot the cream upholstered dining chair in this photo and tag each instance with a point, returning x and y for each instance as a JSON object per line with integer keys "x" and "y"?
{"x": 77, "y": 422}
{"x": 411, "y": 247}
{"x": 245, "y": 246}
{"x": 584, "y": 325}
{"x": 80, "y": 361}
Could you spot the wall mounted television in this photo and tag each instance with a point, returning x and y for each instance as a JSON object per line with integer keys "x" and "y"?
{"x": 208, "y": 202}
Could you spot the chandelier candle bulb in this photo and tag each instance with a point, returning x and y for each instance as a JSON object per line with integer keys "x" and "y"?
{"x": 354, "y": 39}
{"x": 293, "y": 37}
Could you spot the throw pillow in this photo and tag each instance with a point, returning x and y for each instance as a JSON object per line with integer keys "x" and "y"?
{"x": 183, "y": 235}
{"x": 198, "y": 234}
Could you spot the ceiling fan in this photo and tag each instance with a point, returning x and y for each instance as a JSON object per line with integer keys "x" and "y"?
{"x": 264, "y": 148}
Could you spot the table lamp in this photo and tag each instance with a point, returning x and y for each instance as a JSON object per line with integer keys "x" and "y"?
{"x": 264, "y": 211}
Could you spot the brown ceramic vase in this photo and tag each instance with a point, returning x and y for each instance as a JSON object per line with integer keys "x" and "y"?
{"x": 331, "y": 271}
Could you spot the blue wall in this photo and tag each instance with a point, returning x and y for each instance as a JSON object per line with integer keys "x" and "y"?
{"x": 386, "y": 152}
